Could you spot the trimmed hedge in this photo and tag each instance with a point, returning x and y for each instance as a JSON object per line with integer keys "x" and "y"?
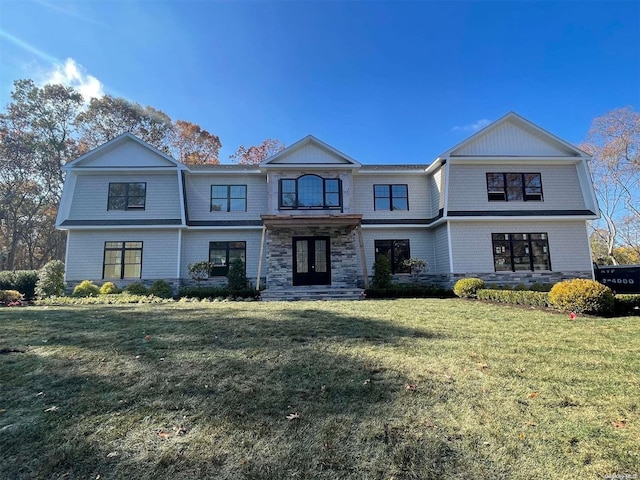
{"x": 86, "y": 288}
{"x": 109, "y": 288}
{"x": 136, "y": 288}
{"x": 161, "y": 289}
{"x": 582, "y": 296}
{"x": 515, "y": 297}
{"x": 467, "y": 287}
{"x": 626, "y": 304}
{"x": 119, "y": 299}
{"x": 24, "y": 281}
{"x": 408, "y": 291}
{"x": 216, "y": 292}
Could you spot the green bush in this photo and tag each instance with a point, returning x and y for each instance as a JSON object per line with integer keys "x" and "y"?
{"x": 109, "y": 288}
{"x": 119, "y": 299}
{"x": 626, "y": 303}
{"x": 216, "y": 292}
{"x": 381, "y": 273}
{"x": 161, "y": 289}
{"x": 136, "y": 288}
{"x": 582, "y": 296}
{"x": 467, "y": 287}
{"x": 10, "y": 296}
{"x": 541, "y": 287}
{"x": 514, "y": 297}
{"x": 408, "y": 291}
{"x": 24, "y": 281}
{"x": 50, "y": 280}
{"x": 237, "y": 277}
{"x": 86, "y": 288}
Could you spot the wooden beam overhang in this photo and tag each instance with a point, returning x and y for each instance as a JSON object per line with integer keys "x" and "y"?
{"x": 350, "y": 221}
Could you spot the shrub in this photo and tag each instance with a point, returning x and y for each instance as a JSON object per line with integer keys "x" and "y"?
{"x": 514, "y": 297}
{"x": 10, "y": 296}
{"x": 136, "y": 288}
{"x": 416, "y": 266}
{"x": 50, "y": 279}
{"x": 467, "y": 287}
{"x": 120, "y": 299}
{"x": 109, "y": 288}
{"x": 161, "y": 289}
{"x": 199, "y": 271}
{"x": 216, "y": 292}
{"x": 541, "y": 287}
{"x": 237, "y": 277}
{"x": 24, "y": 281}
{"x": 627, "y": 303}
{"x": 582, "y": 296}
{"x": 86, "y": 288}
{"x": 408, "y": 291}
{"x": 381, "y": 273}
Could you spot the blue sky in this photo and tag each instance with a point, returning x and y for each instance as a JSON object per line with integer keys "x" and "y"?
{"x": 384, "y": 82}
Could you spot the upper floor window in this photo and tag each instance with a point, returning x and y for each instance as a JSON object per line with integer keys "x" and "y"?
{"x": 514, "y": 252}
{"x": 390, "y": 197}
{"x": 514, "y": 187}
{"x": 397, "y": 251}
{"x": 122, "y": 260}
{"x": 127, "y": 196}
{"x": 228, "y": 198}
{"x": 221, "y": 254}
{"x": 310, "y": 191}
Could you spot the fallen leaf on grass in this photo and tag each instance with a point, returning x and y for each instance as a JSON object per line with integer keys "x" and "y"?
{"x": 39, "y": 394}
{"x": 293, "y": 416}
{"x": 51, "y": 409}
{"x": 164, "y": 434}
{"x": 411, "y": 387}
{"x": 534, "y": 395}
{"x": 483, "y": 366}
{"x": 620, "y": 423}
{"x": 112, "y": 454}
{"x": 521, "y": 436}
{"x": 366, "y": 382}
{"x": 180, "y": 430}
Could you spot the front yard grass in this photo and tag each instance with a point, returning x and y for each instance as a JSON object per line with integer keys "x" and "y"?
{"x": 402, "y": 389}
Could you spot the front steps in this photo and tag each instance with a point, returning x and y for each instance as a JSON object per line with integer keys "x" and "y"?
{"x": 312, "y": 292}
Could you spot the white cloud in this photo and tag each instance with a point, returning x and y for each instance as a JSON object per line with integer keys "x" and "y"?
{"x": 72, "y": 74}
{"x": 472, "y": 127}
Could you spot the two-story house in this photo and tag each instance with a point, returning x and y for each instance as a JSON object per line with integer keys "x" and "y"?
{"x": 510, "y": 204}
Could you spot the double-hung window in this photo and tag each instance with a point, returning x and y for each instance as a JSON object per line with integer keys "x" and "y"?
{"x": 221, "y": 254}
{"x": 228, "y": 198}
{"x": 127, "y": 196}
{"x": 397, "y": 251}
{"x": 504, "y": 187}
{"x": 122, "y": 260}
{"x": 310, "y": 192}
{"x": 390, "y": 197}
{"x": 514, "y": 252}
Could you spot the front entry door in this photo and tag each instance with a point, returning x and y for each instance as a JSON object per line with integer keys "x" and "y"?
{"x": 311, "y": 261}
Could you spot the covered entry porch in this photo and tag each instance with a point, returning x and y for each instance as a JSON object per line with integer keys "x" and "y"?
{"x": 311, "y": 256}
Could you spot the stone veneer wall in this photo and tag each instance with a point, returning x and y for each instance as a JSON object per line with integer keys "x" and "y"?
{"x": 279, "y": 261}
{"x": 447, "y": 280}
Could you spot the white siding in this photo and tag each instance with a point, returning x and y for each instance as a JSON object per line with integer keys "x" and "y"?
{"x": 420, "y": 244}
{"x": 472, "y": 244}
{"x": 127, "y": 153}
{"x": 195, "y": 248}
{"x": 86, "y": 252}
{"x": 91, "y": 193}
{"x": 436, "y": 190}
{"x": 417, "y": 187}
{"x": 309, "y": 154}
{"x": 198, "y": 188}
{"x": 510, "y": 140}
{"x": 560, "y": 187}
{"x": 441, "y": 262}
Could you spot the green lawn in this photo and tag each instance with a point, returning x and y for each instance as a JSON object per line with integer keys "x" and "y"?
{"x": 404, "y": 389}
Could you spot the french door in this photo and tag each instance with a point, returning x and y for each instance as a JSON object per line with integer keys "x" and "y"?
{"x": 311, "y": 261}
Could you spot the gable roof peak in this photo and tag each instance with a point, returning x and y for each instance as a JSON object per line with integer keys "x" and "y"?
{"x": 305, "y": 141}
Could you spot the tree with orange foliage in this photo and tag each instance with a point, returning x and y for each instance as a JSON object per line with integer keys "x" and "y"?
{"x": 257, "y": 153}
{"x": 193, "y": 145}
